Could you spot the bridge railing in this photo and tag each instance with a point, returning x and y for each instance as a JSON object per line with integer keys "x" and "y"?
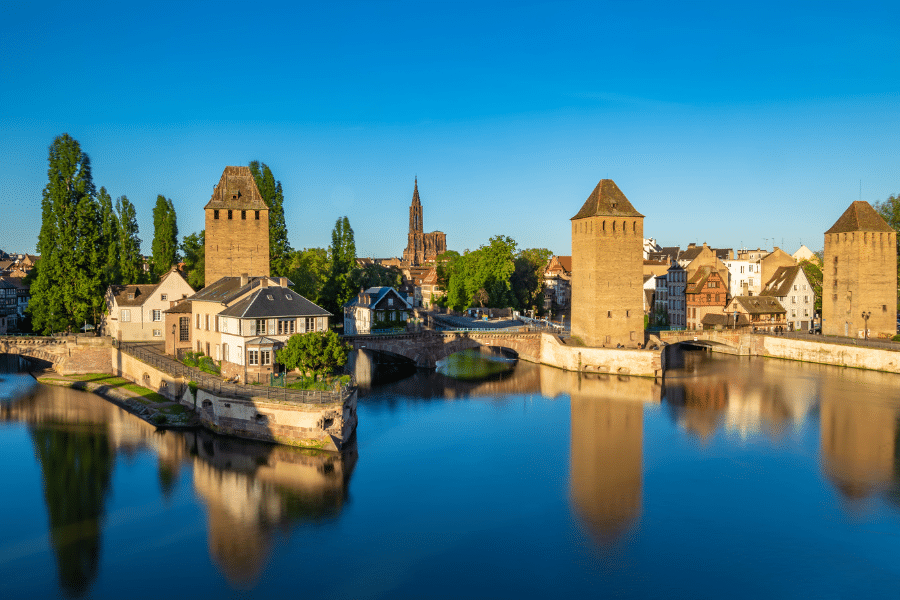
{"x": 220, "y": 387}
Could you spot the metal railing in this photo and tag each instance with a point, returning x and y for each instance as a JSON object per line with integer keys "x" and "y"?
{"x": 219, "y": 387}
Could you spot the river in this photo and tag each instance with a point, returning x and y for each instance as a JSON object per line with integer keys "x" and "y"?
{"x": 735, "y": 477}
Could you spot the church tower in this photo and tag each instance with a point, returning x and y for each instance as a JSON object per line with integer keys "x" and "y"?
{"x": 237, "y": 228}
{"x": 607, "y": 270}
{"x": 860, "y": 275}
{"x": 415, "y": 247}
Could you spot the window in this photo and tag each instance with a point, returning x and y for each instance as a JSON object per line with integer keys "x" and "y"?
{"x": 184, "y": 323}
{"x": 609, "y": 314}
{"x": 229, "y": 214}
{"x": 243, "y": 215}
{"x": 131, "y": 296}
{"x": 215, "y": 214}
{"x": 223, "y": 323}
{"x": 390, "y": 301}
{"x": 125, "y": 315}
{"x": 207, "y": 324}
{"x": 224, "y": 351}
{"x": 805, "y": 299}
{"x": 216, "y": 325}
{"x": 793, "y": 299}
{"x": 805, "y": 312}
{"x": 311, "y": 324}
{"x": 257, "y": 215}
{"x": 198, "y": 320}
{"x": 795, "y": 287}
{"x": 253, "y": 357}
{"x": 157, "y": 333}
{"x": 266, "y": 356}
{"x": 157, "y": 314}
{"x": 260, "y": 327}
{"x": 286, "y": 326}
{"x": 163, "y": 297}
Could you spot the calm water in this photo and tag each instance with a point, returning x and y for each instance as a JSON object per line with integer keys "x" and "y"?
{"x": 737, "y": 478}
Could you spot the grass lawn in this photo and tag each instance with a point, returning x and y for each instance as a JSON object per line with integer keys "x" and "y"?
{"x": 146, "y": 396}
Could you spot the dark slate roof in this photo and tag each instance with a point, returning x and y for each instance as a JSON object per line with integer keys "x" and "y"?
{"x": 780, "y": 283}
{"x": 690, "y": 253}
{"x": 760, "y": 305}
{"x": 270, "y": 302}
{"x": 237, "y": 189}
{"x": 860, "y": 216}
{"x": 261, "y": 341}
{"x": 725, "y": 320}
{"x": 372, "y": 296}
{"x": 668, "y": 254}
{"x": 141, "y": 292}
{"x": 607, "y": 200}
{"x": 180, "y": 308}
{"x": 226, "y": 289}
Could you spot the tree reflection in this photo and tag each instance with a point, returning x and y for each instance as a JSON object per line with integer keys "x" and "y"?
{"x": 77, "y": 466}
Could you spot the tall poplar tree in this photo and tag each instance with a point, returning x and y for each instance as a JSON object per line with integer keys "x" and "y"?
{"x": 109, "y": 234}
{"x": 270, "y": 190}
{"x": 340, "y": 286}
{"x": 62, "y": 293}
{"x": 193, "y": 248}
{"x": 165, "y": 236}
{"x": 131, "y": 264}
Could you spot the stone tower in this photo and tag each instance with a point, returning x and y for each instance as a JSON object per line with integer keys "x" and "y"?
{"x": 860, "y": 275}
{"x": 607, "y": 270}
{"x": 237, "y": 228}
{"x": 421, "y": 247}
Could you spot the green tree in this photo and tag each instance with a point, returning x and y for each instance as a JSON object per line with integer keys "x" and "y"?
{"x": 66, "y": 287}
{"x": 342, "y": 251}
{"x": 489, "y": 268}
{"x": 528, "y": 278}
{"x": 890, "y": 212}
{"x": 131, "y": 263}
{"x": 315, "y": 353}
{"x": 279, "y": 248}
{"x": 109, "y": 234}
{"x": 814, "y": 273}
{"x": 165, "y": 237}
{"x": 375, "y": 275}
{"x": 193, "y": 247}
{"x": 309, "y": 270}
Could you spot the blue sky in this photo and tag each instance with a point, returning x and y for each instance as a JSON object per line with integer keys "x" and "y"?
{"x": 732, "y": 123}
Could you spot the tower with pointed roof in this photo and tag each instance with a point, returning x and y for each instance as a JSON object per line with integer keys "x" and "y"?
{"x": 607, "y": 270}
{"x": 860, "y": 275}
{"x": 237, "y": 228}
{"x": 421, "y": 247}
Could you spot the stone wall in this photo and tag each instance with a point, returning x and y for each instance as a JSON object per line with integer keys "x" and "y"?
{"x": 831, "y": 354}
{"x": 647, "y": 363}
{"x": 312, "y": 425}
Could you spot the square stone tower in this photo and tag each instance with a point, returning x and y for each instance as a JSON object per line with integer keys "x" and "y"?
{"x": 860, "y": 275}
{"x": 607, "y": 270}
{"x": 237, "y": 228}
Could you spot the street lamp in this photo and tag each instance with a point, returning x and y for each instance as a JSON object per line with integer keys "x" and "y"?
{"x": 865, "y": 316}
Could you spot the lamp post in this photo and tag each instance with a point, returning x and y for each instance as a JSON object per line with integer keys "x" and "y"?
{"x": 865, "y": 315}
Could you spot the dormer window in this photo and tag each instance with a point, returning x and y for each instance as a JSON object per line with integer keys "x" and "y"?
{"x": 288, "y": 296}
{"x": 163, "y": 297}
{"x": 131, "y": 296}
{"x": 269, "y": 297}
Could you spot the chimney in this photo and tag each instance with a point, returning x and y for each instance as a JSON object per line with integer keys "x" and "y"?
{"x": 263, "y": 282}
{"x": 245, "y": 279}
{"x": 284, "y": 281}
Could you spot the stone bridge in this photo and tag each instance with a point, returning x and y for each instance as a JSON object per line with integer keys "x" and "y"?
{"x": 68, "y": 354}
{"x": 428, "y": 347}
{"x": 726, "y": 341}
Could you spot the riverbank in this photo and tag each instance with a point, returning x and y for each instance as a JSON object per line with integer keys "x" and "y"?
{"x": 137, "y": 400}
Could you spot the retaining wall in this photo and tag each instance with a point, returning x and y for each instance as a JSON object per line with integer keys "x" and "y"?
{"x": 859, "y": 357}
{"x": 645, "y": 363}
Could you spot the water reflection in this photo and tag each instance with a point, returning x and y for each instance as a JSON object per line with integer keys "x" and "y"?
{"x": 606, "y": 459}
{"x": 251, "y": 490}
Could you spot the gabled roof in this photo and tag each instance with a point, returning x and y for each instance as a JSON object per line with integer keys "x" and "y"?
{"x": 372, "y": 296}
{"x": 133, "y": 295}
{"x": 697, "y": 282}
{"x": 559, "y": 263}
{"x": 237, "y": 189}
{"x": 272, "y": 302}
{"x": 607, "y": 200}
{"x": 183, "y": 307}
{"x": 756, "y": 305}
{"x": 780, "y": 283}
{"x": 227, "y": 289}
{"x": 859, "y": 216}
{"x": 431, "y": 278}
